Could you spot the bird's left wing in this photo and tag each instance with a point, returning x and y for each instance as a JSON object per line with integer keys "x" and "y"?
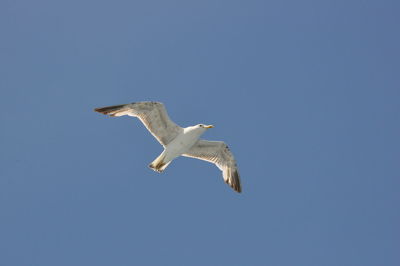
{"x": 152, "y": 114}
{"x": 218, "y": 153}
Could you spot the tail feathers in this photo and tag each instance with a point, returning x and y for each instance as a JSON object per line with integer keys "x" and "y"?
{"x": 158, "y": 164}
{"x": 160, "y": 167}
{"x": 115, "y": 110}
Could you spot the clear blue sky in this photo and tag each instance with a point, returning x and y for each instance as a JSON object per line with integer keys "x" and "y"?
{"x": 306, "y": 93}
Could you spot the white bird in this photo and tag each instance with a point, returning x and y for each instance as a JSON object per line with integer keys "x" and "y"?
{"x": 179, "y": 141}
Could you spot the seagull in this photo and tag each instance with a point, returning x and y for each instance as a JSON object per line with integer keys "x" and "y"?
{"x": 178, "y": 141}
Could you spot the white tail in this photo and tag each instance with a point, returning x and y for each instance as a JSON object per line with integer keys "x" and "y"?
{"x": 158, "y": 164}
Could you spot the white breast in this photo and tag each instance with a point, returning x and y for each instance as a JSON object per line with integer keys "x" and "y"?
{"x": 183, "y": 142}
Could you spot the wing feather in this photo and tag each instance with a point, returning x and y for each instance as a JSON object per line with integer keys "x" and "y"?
{"x": 218, "y": 153}
{"x": 152, "y": 114}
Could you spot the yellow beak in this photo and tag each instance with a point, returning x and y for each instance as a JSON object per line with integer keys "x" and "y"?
{"x": 209, "y": 126}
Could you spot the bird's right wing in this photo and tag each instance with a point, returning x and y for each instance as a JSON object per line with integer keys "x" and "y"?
{"x": 152, "y": 114}
{"x": 218, "y": 153}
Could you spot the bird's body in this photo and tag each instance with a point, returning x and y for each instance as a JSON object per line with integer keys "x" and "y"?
{"x": 183, "y": 142}
{"x": 178, "y": 141}
{"x": 178, "y": 146}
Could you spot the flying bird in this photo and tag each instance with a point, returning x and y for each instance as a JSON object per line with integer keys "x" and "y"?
{"x": 178, "y": 141}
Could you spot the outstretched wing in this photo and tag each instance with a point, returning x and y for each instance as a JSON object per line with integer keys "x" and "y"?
{"x": 217, "y": 152}
{"x": 152, "y": 114}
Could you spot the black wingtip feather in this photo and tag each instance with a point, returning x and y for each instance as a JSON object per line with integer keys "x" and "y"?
{"x": 234, "y": 182}
{"x": 109, "y": 110}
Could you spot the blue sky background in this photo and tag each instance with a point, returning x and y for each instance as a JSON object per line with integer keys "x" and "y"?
{"x": 306, "y": 93}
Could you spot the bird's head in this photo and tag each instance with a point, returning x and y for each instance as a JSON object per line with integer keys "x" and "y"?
{"x": 205, "y": 126}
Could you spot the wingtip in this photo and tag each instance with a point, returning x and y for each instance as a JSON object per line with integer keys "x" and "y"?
{"x": 110, "y": 110}
{"x": 238, "y": 189}
{"x": 234, "y": 182}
